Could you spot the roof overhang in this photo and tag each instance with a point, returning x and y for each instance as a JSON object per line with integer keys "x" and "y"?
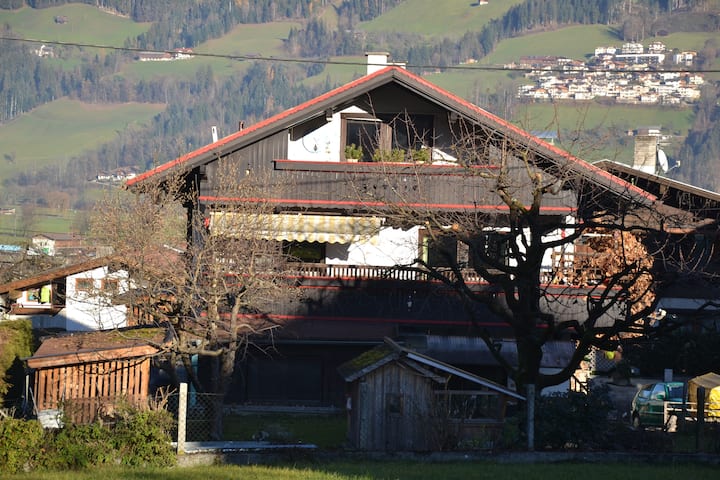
{"x": 339, "y": 98}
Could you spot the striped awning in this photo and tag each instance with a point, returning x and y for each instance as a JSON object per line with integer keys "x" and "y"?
{"x": 298, "y": 227}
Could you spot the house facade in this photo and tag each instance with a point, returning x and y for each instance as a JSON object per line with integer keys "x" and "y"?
{"x": 344, "y": 162}
{"x": 73, "y": 298}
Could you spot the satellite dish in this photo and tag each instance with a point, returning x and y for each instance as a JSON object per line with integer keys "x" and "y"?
{"x": 662, "y": 161}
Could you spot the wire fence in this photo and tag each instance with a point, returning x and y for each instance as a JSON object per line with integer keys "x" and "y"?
{"x": 203, "y": 415}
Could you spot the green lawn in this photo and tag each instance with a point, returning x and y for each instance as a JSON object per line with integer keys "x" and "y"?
{"x": 375, "y": 470}
{"x": 326, "y": 432}
{"x": 86, "y": 24}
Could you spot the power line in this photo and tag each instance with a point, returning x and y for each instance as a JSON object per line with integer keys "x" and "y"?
{"x": 349, "y": 62}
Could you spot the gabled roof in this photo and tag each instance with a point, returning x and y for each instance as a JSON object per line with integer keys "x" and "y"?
{"x": 391, "y": 351}
{"x": 48, "y": 276}
{"x": 343, "y": 96}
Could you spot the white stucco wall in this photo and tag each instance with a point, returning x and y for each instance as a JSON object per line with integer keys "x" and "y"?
{"x": 395, "y": 247}
{"x": 322, "y": 144}
{"x": 92, "y": 310}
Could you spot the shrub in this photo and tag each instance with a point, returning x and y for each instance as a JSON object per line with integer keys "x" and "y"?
{"x": 80, "y": 446}
{"x": 573, "y": 420}
{"x": 16, "y": 341}
{"x": 138, "y": 438}
{"x": 143, "y": 439}
{"x": 21, "y": 444}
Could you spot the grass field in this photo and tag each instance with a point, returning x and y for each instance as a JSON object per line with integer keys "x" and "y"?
{"x": 59, "y": 130}
{"x": 376, "y": 470}
{"x": 44, "y": 220}
{"x": 420, "y": 16}
{"x": 576, "y": 42}
{"x": 244, "y": 40}
{"x": 86, "y": 24}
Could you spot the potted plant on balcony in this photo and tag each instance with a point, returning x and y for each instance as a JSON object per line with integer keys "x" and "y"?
{"x": 384, "y": 155}
{"x": 353, "y": 153}
{"x": 420, "y": 155}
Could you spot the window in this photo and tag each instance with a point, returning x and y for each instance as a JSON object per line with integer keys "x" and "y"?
{"x": 658, "y": 392}
{"x": 84, "y": 284}
{"x": 366, "y": 132}
{"x": 410, "y": 131}
{"x": 110, "y": 286}
{"x": 439, "y": 251}
{"x": 493, "y": 245}
{"x": 308, "y": 252}
{"x": 386, "y": 132}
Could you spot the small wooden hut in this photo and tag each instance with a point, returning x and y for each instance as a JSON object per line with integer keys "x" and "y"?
{"x": 87, "y": 374}
{"x": 401, "y": 400}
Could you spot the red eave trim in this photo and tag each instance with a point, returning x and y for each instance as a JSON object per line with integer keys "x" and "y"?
{"x": 354, "y": 203}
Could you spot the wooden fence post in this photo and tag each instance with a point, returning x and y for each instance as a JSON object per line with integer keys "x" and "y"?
{"x": 182, "y": 417}
{"x": 700, "y": 423}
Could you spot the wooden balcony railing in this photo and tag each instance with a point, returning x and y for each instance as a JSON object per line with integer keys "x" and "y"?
{"x": 321, "y": 270}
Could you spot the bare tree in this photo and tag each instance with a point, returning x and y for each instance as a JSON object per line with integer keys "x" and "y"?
{"x": 528, "y": 257}
{"x": 214, "y": 291}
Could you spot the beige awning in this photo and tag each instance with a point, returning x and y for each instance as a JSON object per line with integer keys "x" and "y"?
{"x": 298, "y": 227}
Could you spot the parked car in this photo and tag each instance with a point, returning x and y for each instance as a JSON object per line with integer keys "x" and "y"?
{"x": 648, "y": 405}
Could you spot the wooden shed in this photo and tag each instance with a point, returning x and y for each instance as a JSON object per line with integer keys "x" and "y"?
{"x": 401, "y": 400}
{"x": 88, "y": 374}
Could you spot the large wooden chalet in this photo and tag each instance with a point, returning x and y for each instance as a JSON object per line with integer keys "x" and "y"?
{"x": 332, "y": 205}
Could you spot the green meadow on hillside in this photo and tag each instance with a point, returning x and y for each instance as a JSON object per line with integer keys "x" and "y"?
{"x": 59, "y": 130}
{"x": 44, "y": 220}
{"x": 421, "y": 16}
{"x": 604, "y": 121}
{"x": 245, "y": 40}
{"x": 85, "y": 24}
{"x": 576, "y": 42}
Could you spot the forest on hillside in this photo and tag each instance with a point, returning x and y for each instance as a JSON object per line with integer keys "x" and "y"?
{"x": 193, "y": 105}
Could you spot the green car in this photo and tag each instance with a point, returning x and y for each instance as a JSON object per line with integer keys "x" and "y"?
{"x": 648, "y": 405}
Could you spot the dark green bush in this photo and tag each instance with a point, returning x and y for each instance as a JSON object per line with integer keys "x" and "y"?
{"x": 16, "y": 341}
{"x": 21, "y": 444}
{"x": 80, "y": 446}
{"x": 144, "y": 439}
{"x": 137, "y": 438}
{"x": 573, "y": 420}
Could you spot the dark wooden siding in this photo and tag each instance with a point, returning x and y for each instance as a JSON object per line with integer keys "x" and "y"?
{"x": 393, "y": 407}
{"x": 256, "y": 158}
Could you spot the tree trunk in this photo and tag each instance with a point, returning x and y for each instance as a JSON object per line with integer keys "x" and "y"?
{"x": 530, "y": 399}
